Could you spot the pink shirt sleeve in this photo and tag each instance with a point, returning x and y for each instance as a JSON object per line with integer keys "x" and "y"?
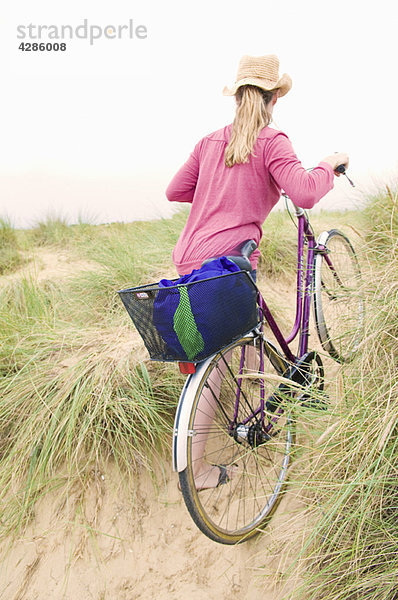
{"x": 182, "y": 187}
{"x": 304, "y": 188}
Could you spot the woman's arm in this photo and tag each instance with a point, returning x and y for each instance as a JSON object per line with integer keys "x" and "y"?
{"x": 182, "y": 187}
{"x": 305, "y": 188}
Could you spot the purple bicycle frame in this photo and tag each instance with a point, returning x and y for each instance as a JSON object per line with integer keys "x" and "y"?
{"x": 301, "y": 323}
{"x": 303, "y": 294}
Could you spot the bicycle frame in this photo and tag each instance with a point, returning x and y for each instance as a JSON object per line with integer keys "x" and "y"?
{"x": 303, "y": 293}
{"x": 304, "y": 290}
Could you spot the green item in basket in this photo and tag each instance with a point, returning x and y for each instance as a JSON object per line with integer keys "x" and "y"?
{"x": 185, "y": 326}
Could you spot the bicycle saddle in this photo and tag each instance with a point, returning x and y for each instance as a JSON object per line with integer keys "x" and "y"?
{"x": 240, "y": 255}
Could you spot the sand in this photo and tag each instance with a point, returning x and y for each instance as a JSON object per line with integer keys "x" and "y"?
{"x": 116, "y": 550}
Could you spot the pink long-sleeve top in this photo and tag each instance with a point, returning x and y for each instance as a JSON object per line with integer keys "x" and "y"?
{"x": 230, "y": 204}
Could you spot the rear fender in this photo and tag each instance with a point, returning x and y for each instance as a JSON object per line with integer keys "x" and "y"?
{"x": 184, "y": 408}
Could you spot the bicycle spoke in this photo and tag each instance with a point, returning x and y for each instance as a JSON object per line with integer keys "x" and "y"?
{"x": 251, "y": 410}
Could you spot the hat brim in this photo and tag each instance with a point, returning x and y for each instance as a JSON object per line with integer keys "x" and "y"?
{"x": 283, "y": 85}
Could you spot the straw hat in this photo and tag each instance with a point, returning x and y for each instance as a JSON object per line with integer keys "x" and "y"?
{"x": 262, "y": 71}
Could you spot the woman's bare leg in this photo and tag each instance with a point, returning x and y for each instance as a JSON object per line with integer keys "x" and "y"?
{"x": 205, "y": 474}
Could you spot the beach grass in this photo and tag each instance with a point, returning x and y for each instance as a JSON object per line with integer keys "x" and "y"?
{"x": 76, "y": 386}
{"x": 351, "y": 477}
{"x": 10, "y": 255}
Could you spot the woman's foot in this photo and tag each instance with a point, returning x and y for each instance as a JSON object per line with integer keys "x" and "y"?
{"x": 212, "y": 476}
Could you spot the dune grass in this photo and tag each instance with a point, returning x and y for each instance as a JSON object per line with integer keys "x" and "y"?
{"x": 278, "y": 246}
{"x": 73, "y": 389}
{"x": 71, "y": 397}
{"x": 52, "y": 230}
{"x": 76, "y": 385}
{"x": 10, "y": 255}
{"x": 352, "y": 551}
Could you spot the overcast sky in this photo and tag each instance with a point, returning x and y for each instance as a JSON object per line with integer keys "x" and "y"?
{"x": 100, "y": 128}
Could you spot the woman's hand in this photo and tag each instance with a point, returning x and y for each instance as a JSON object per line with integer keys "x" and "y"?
{"x": 334, "y": 160}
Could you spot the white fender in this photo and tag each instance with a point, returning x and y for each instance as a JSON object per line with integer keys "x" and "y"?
{"x": 184, "y": 408}
{"x": 321, "y": 241}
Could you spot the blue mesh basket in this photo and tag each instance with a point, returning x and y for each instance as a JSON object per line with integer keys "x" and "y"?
{"x": 189, "y": 322}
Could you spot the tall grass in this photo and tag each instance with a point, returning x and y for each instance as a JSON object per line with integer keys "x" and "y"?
{"x": 76, "y": 386}
{"x": 278, "y": 246}
{"x": 66, "y": 416}
{"x": 352, "y": 553}
{"x": 53, "y": 230}
{"x": 10, "y": 256}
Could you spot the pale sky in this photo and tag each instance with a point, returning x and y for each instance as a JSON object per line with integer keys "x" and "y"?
{"x": 100, "y": 129}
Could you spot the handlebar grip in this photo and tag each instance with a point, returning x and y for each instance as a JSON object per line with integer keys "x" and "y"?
{"x": 341, "y": 169}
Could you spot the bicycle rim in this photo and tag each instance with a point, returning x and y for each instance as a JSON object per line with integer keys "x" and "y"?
{"x": 236, "y": 510}
{"x": 338, "y": 300}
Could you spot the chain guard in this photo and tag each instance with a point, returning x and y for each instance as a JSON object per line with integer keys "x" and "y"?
{"x": 308, "y": 374}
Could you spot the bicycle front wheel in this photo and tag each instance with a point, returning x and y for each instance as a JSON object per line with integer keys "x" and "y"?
{"x": 338, "y": 300}
{"x": 228, "y": 440}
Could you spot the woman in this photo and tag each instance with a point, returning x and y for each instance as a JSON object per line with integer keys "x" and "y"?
{"x": 233, "y": 178}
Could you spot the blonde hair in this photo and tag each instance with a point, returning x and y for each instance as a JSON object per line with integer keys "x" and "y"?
{"x": 251, "y": 116}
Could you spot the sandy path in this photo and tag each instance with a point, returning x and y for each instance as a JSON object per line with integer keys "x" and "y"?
{"x": 44, "y": 263}
{"x": 153, "y": 551}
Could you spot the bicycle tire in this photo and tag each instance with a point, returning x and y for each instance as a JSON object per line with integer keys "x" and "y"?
{"x": 338, "y": 300}
{"x": 238, "y": 510}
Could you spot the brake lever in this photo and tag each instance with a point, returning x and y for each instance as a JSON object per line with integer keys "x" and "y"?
{"x": 341, "y": 169}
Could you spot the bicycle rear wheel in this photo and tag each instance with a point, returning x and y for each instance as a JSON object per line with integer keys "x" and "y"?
{"x": 338, "y": 300}
{"x": 226, "y": 432}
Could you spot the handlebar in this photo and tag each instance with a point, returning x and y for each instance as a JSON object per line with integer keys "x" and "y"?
{"x": 341, "y": 169}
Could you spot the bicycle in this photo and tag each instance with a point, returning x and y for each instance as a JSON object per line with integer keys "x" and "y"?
{"x": 235, "y": 412}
